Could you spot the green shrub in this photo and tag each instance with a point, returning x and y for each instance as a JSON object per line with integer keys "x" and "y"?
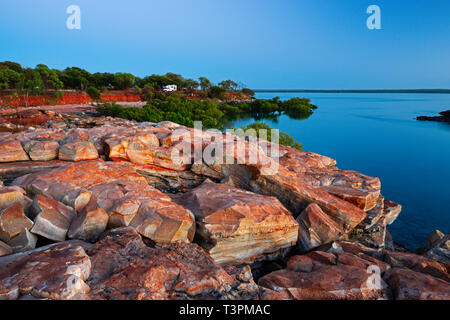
{"x": 284, "y": 138}
{"x": 216, "y": 92}
{"x": 298, "y": 108}
{"x": 94, "y": 93}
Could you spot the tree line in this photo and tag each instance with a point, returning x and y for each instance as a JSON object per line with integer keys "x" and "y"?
{"x": 42, "y": 78}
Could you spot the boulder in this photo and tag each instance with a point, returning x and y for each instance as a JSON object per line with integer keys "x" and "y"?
{"x": 316, "y": 228}
{"x": 74, "y": 184}
{"x": 124, "y": 268}
{"x": 52, "y": 219}
{"x": 4, "y": 251}
{"x": 42, "y": 150}
{"x": 341, "y": 282}
{"x": 164, "y": 221}
{"x": 78, "y": 151}
{"x": 56, "y": 273}
{"x": 11, "y": 150}
{"x": 12, "y": 221}
{"x": 169, "y": 180}
{"x": 240, "y": 226}
{"x": 10, "y": 196}
{"x": 25, "y": 241}
{"x": 89, "y": 224}
{"x": 417, "y": 263}
{"x": 296, "y": 193}
{"x": 363, "y": 199}
{"x": 440, "y": 255}
{"x": 435, "y": 238}
{"x": 144, "y": 148}
{"x": 407, "y": 284}
{"x": 13, "y": 170}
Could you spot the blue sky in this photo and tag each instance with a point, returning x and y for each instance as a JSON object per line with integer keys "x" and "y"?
{"x": 307, "y": 44}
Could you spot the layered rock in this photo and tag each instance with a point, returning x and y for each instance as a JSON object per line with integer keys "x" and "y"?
{"x": 12, "y": 151}
{"x": 410, "y": 285}
{"x": 78, "y": 151}
{"x": 56, "y": 273}
{"x": 12, "y": 221}
{"x": 114, "y": 188}
{"x": 240, "y": 226}
{"x": 42, "y": 150}
{"x": 316, "y": 228}
{"x": 89, "y": 224}
{"x": 24, "y": 241}
{"x": 5, "y": 249}
{"x": 10, "y": 196}
{"x": 164, "y": 222}
{"x": 52, "y": 218}
{"x": 349, "y": 270}
{"x": 124, "y": 268}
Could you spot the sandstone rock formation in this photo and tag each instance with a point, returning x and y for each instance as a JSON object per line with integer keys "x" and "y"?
{"x": 12, "y": 221}
{"x": 273, "y": 212}
{"x": 348, "y": 270}
{"x": 239, "y": 226}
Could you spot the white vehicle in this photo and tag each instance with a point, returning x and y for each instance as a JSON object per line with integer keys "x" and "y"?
{"x": 170, "y": 87}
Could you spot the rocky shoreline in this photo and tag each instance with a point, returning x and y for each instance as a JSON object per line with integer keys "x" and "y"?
{"x": 443, "y": 117}
{"x": 97, "y": 208}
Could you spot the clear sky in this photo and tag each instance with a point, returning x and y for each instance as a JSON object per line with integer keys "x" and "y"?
{"x": 292, "y": 44}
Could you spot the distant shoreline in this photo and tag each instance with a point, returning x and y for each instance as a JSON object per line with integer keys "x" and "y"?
{"x": 357, "y": 91}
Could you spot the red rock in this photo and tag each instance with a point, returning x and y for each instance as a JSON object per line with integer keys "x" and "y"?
{"x": 42, "y": 150}
{"x": 164, "y": 221}
{"x": 17, "y": 169}
{"x": 124, "y": 268}
{"x": 363, "y": 199}
{"x": 361, "y": 261}
{"x": 169, "y": 180}
{"x": 25, "y": 241}
{"x": 296, "y": 193}
{"x": 300, "y": 161}
{"x": 340, "y": 282}
{"x": 57, "y": 273}
{"x": 410, "y": 285}
{"x": 75, "y": 184}
{"x": 53, "y": 219}
{"x": 10, "y": 196}
{"x": 11, "y": 150}
{"x": 12, "y": 221}
{"x": 417, "y": 263}
{"x": 78, "y": 151}
{"x": 237, "y": 225}
{"x": 4, "y": 251}
{"x": 391, "y": 211}
{"x": 89, "y": 224}
{"x": 143, "y": 148}
{"x": 316, "y": 228}
{"x": 311, "y": 261}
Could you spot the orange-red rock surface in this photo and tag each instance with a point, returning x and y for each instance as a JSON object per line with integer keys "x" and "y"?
{"x": 134, "y": 196}
{"x": 240, "y": 226}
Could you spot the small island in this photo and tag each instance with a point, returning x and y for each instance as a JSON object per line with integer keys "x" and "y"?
{"x": 444, "y": 117}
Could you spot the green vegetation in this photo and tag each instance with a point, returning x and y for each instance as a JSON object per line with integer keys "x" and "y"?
{"x": 213, "y": 112}
{"x": 283, "y": 137}
{"x": 94, "y": 93}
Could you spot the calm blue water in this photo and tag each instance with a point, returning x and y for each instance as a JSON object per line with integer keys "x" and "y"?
{"x": 377, "y": 135}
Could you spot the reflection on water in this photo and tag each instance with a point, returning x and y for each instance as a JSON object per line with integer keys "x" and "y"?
{"x": 377, "y": 134}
